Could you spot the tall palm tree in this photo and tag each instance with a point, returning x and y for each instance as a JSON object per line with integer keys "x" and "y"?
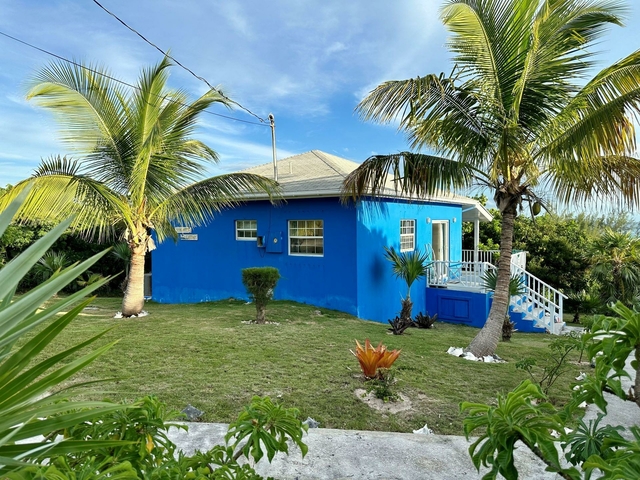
{"x": 615, "y": 264}
{"x": 140, "y": 170}
{"x": 515, "y": 116}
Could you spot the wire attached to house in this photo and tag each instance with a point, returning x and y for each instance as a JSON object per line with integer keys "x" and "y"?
{"x": 166, "y": 54}
{"x": 47, "y": 52}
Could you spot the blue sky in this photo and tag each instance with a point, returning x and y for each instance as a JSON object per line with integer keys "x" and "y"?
{"x": 307, "y": 62}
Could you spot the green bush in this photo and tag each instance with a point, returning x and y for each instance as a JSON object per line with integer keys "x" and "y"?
{"x": 146, "y": 453}
{"x": 260, "y": 283}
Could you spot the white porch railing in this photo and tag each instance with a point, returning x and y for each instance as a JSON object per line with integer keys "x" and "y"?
{"x": 540, "y": 302}
{"x": 491, "y": 256}
{"x": 543, "y": 301}
{"x": 464, "y": 274}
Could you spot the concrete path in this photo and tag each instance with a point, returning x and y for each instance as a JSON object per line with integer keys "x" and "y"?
{"x": 351, "y": 454}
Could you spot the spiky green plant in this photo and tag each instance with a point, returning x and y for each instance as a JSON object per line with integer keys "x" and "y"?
{"x": 517, "y": 115}
{"x": 139, "y": 169}
{"x": 50, "y": 264}
{"x": 29, "y": 401}
{"x": 516, "y": 286}
{"x": 408, "y": 266}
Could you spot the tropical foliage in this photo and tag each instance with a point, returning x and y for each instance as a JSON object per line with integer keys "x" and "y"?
{"x": 524, "y": 414}
{"x": 515, "y": 116}
{"x": 615, "y": 265}
{"x": 30, "y": 404}
{"x": 147, "y": 453}
{"x": 139, "y": 171}
{"x": 409, "y": 266}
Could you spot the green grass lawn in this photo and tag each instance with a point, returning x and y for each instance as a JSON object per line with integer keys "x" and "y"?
{"x": 203, "y": 355}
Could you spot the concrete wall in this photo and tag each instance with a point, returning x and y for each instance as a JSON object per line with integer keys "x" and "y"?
{"x": 210, "y": 268}
{"x": 379, "y": 292}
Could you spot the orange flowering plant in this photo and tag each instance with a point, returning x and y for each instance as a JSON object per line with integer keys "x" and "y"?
{"x": 371, "y": 359}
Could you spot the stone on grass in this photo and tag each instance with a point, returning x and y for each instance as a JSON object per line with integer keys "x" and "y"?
{"x": 459, "y": 352}
{"x": 311, "y": 423}
{"x": 455, "y": 351}
{"x": 192, "y": 413}
{"x": 143, "y": 313}
{"x": 424, "y": 431}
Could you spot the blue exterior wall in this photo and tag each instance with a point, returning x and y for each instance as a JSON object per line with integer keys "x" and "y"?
{"x": 210, "y": 268}
{"x": 378, "y": 225}
{"x": 458, "y": 306}
{"x": 470, "y": 308}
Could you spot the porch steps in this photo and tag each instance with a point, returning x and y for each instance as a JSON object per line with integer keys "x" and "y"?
{"x": 530, "y": 318}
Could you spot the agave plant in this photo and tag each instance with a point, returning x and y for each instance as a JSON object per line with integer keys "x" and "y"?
{"x": 29, "y": 403}
{"x": 371, "y": 359}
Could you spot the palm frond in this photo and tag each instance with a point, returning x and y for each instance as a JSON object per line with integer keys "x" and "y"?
{"x": 58, "y": 190}
{"x": 195, "y": 204}
{"x": 584, "y": 180}
{"x": 412, "y": 174}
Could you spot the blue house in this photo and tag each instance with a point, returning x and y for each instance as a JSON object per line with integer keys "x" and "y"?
{"x": 329, "y": 254}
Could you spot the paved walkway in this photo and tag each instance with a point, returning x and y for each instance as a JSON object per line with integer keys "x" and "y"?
{"x": 350, "y": 454}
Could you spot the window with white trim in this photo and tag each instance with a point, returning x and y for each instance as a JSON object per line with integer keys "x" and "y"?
{"x": 407, "y": 235}
{"x": 306, "y": 237}
{"x": 246, "y": 229}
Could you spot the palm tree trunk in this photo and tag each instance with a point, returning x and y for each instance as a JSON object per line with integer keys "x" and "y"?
{"x": 636, "y": 387}
{"x": 133, "y": 301}
{"x": 486, "y": 341}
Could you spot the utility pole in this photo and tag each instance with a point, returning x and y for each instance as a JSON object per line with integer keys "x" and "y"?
{"x": 272, "y": 121}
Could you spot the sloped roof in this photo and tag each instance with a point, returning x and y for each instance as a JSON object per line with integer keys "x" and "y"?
{"x": 320, "y": 174}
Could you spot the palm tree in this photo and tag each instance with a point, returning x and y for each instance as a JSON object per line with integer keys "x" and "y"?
{"x": 615, "y": 264}
{"x": 409, "y": 266}
{"x": 140, "y": 170}
{"x": 515, "y": 117}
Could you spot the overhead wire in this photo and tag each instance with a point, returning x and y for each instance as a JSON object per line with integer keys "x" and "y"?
{"x": 177, "y": 62}
{"x": 122, "y": 82}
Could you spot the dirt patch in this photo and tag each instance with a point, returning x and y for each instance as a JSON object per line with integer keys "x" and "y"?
{"x": 370, "y": 399}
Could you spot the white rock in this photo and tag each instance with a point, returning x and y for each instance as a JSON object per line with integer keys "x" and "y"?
{"x": 488, "y": 359}
{"x": 118, "y": 315}
{"x": 470, "y": 356}
{"x": 455, "y": 351}
{"x": 423, "y": 431}
{"x": 581, "y": 377}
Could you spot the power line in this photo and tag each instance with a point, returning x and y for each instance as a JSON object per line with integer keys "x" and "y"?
{"x": 202, "y": 79}
{"x": 123, "y": 82}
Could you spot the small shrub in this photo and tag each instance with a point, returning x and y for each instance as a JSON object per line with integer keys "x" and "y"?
{"x": 262, "y": 429}
{"x": 382, "y": 386}
{"x": 555, "y": 364}
{"x": 425, "y": 321}
{"x": 399, "y": 325}
{"x": 260, "y": 283}
{"x": 372, "y": 359}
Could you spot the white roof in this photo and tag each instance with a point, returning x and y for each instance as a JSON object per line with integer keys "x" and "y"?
{"x": 319, "y": 174}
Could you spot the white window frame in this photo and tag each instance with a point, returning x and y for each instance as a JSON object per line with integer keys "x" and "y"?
{"x": 407, "y": 234}
{"x": 308, "y": 224}
{"x": 247, "y": 229}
